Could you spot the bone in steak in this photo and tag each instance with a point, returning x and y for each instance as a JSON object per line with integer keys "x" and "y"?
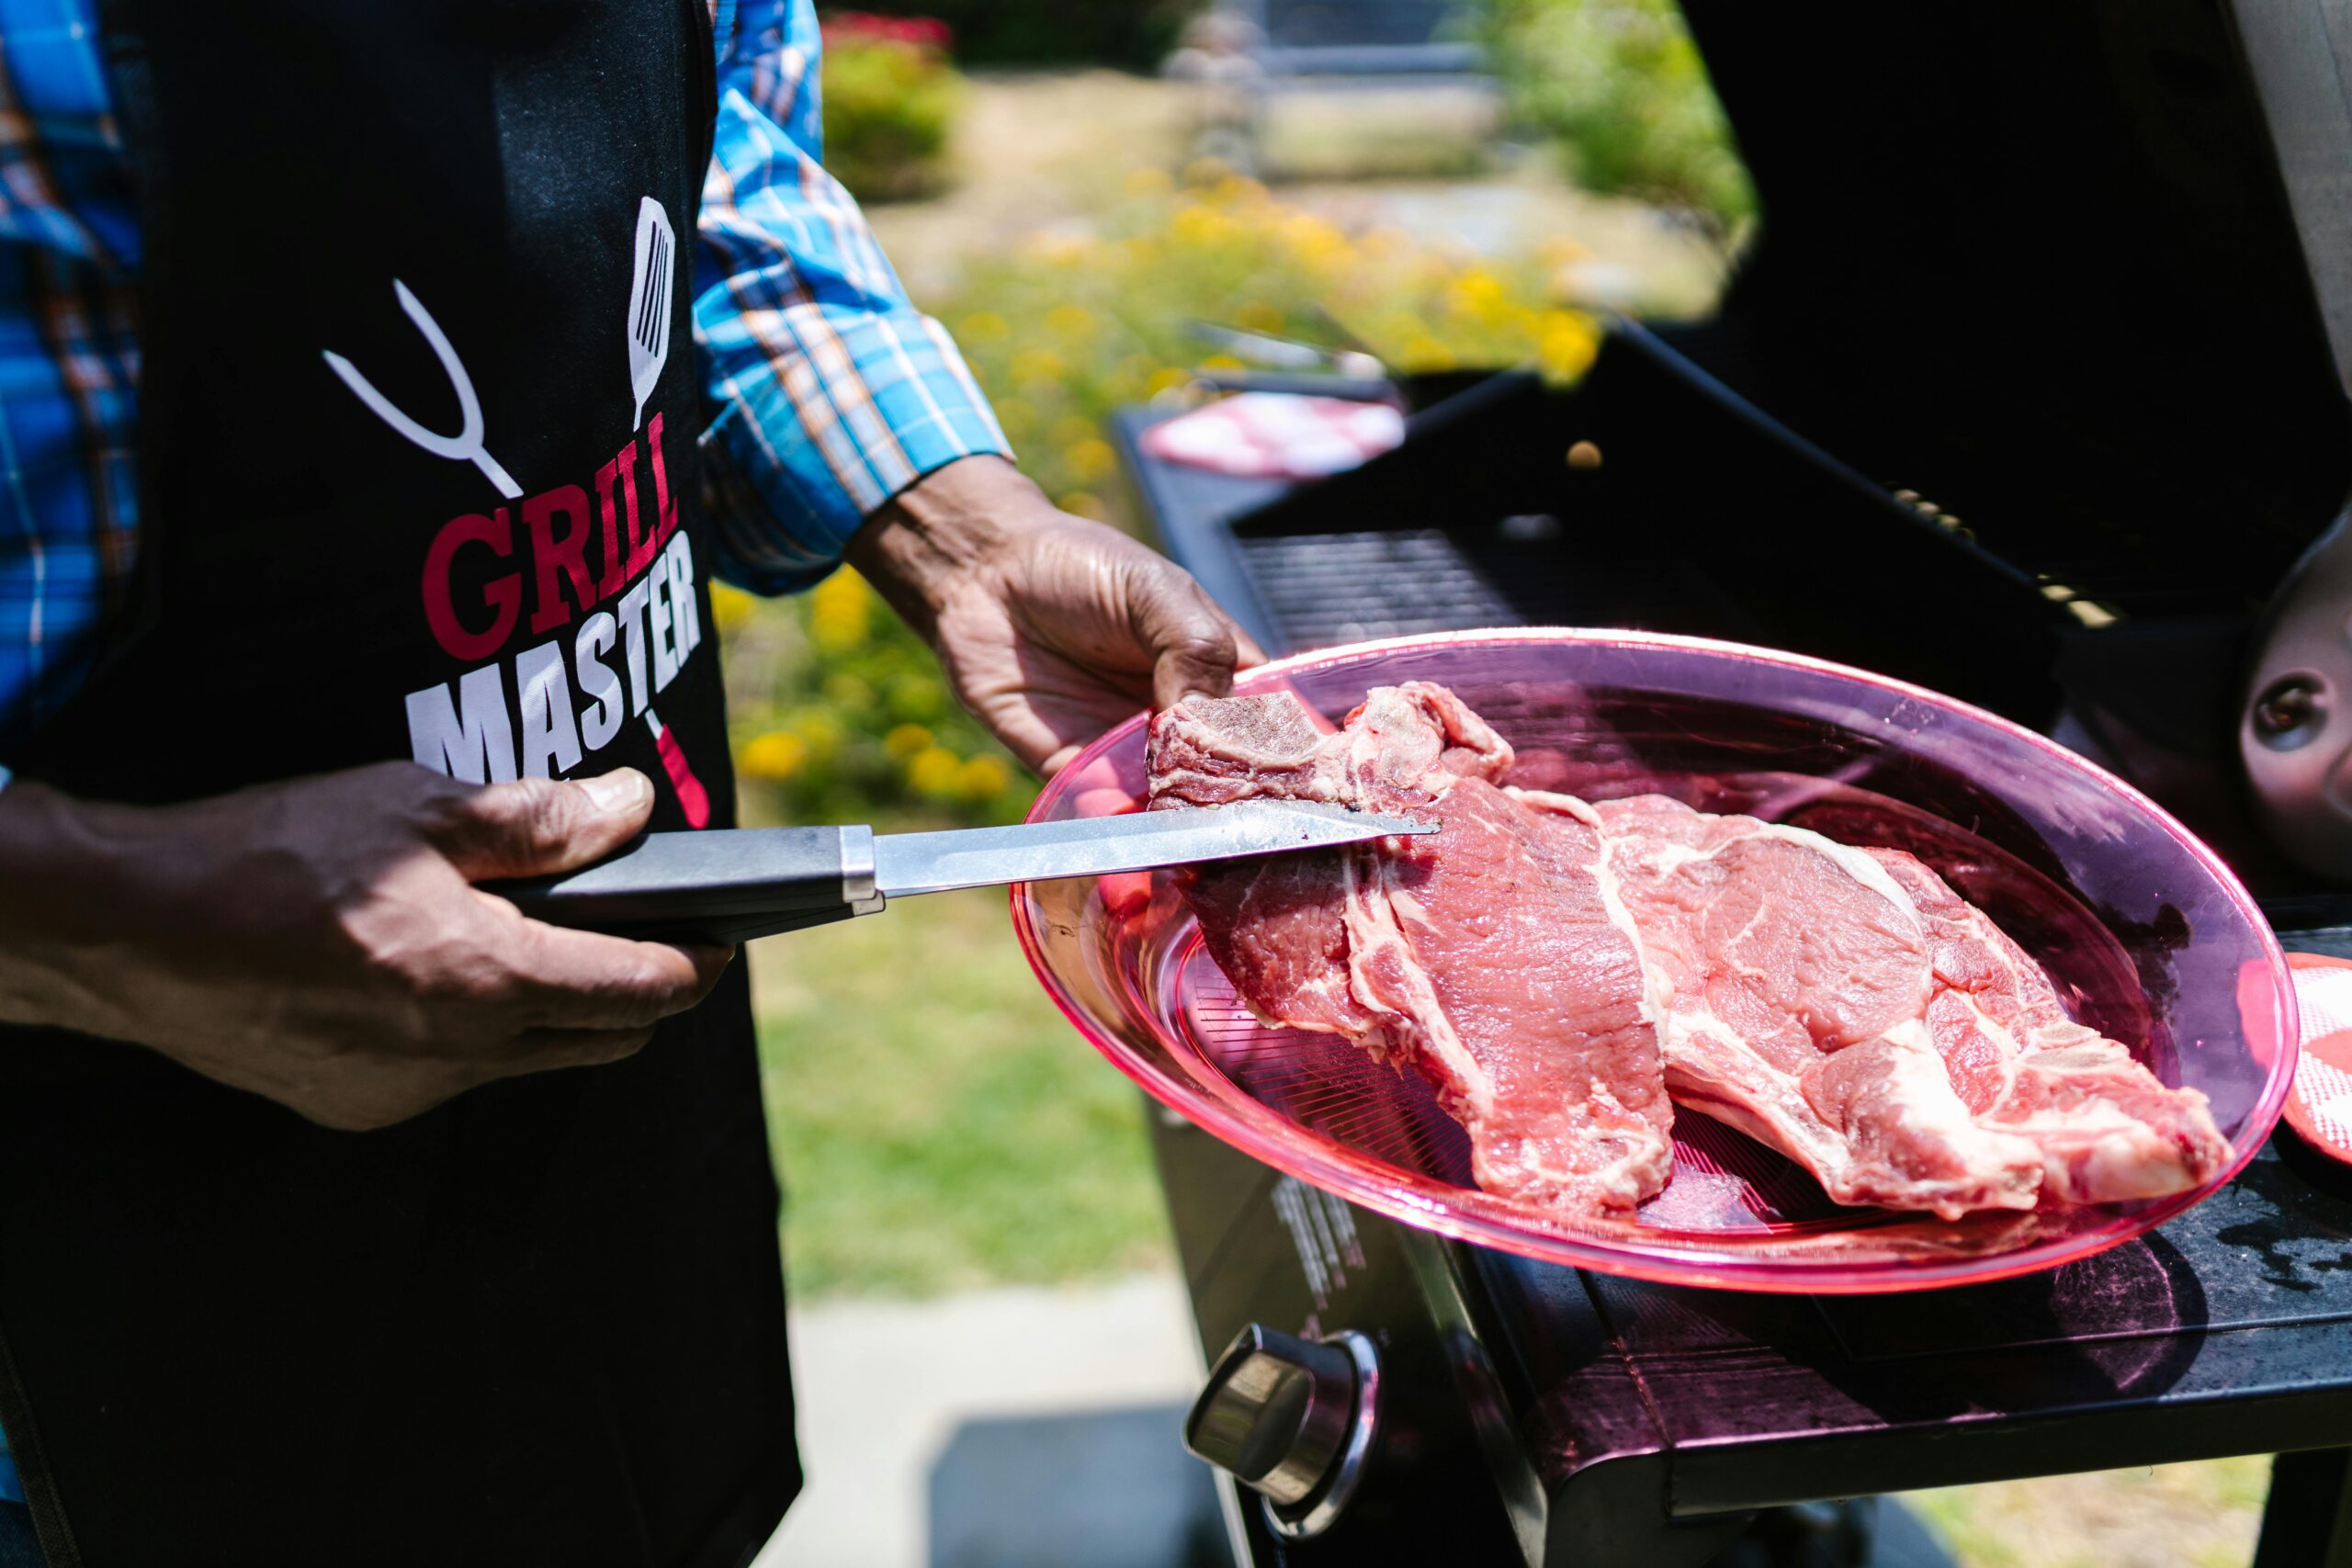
{"x": 2106, "y": 1126}
{"x": 1493, "y": 967}
{"x": 1792, "y": 981}
{"x": 1556, "y": 969}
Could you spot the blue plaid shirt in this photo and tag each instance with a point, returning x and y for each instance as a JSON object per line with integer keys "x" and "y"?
{"x": 831, "y": 393}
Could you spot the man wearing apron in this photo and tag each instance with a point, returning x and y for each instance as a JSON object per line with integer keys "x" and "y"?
{"x": 345, "y": 1217}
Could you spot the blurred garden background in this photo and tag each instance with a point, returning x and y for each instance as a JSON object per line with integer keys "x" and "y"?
{"x": 1069, "y": 184}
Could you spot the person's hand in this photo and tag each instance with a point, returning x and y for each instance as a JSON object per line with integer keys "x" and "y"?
{"x": 321, "y": 942}
{"x": 1052, "y": 628}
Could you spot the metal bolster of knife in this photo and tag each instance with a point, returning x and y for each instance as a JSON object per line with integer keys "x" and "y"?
{"x": 858, "y": 890}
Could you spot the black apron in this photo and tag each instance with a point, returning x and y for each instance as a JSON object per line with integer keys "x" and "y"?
{"x": 545, "y": 1323}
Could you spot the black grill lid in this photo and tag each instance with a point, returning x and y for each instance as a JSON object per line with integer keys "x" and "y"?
{"x": 2033, "y": 258}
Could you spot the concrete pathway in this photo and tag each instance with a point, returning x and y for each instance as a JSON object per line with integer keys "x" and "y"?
{"x": 887, "y": 1389}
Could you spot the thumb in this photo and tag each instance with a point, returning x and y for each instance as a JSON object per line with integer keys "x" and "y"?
{"x": 541, "y": 827}
{"x": 1194, "y": 646}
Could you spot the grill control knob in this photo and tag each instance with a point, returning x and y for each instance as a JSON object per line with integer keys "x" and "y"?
{"x": 1291, "y": 1419}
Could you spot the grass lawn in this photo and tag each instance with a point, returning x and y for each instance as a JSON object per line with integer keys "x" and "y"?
{"x": 2173, "y": 1516}
{"x": 937, "y": 1123}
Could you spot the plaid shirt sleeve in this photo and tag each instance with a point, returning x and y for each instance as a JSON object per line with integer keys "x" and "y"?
{"x": 831, "y": 393}
{"x": 69, "y": 357}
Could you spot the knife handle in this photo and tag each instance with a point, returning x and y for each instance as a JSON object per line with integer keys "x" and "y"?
{"x": 713, "y": 888}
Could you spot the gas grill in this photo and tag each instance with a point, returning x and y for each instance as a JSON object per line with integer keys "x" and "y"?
{"x": 2033, "y": 390}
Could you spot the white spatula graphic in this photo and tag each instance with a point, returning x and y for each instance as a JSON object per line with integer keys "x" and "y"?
{"x": 649, "y": 302}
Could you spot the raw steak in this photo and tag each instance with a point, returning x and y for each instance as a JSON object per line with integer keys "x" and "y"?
{"x": 1556, "y": 969}
{"x": 1484, "y": 957}
{"x": 2106, "y": 1127}
{"x": 1792, "y": 981}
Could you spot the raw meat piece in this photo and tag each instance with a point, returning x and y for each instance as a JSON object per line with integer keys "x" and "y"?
{"x": 1484, "y": 957}
{"x": 2108, "y": 1130}
{"x": 1792, "y": 979}
{"x": 1545, "y": 963}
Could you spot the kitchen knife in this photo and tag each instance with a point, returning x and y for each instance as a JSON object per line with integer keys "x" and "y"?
{"x": 732, "y": 885}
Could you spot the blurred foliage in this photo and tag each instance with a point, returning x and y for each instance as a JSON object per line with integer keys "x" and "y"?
{"x": 1619, "y": 86}
{"x": 890, "y": 98}
{"x": 1131, "y": 33}
{"x": 1075, "y": 324}
{"x": 841, "y": 715}
{"x": 840, "y": 712}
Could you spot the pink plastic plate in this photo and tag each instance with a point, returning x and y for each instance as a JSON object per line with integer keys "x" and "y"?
{"x": 2149, "y": 937}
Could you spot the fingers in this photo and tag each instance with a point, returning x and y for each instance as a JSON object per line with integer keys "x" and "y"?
{"x": 1194, "y": 646}
{"x": 540, "y": 826}
{"x": 575, "y": 980}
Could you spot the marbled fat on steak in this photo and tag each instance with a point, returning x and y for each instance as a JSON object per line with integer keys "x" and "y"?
{"x": 1792, "y": 980}
{"x": 1483, "y": 958}
{"x": 1557, "y": 969}
{"x": 2106, "y": 1127}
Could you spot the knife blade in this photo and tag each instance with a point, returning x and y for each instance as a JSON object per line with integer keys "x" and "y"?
{"x": 732, "y": 885}
{"x": 1040, "y": 852}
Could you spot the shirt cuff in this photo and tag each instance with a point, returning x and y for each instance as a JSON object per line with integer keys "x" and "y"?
{"x": 809, "y": 445}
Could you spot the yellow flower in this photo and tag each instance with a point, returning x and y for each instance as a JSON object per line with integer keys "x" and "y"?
{"x": 983, "y": 778}
{"x": 934, "y": 771}
{"x": 730, "y": 607}
{"x": 1258, "y": 317}
{"x": 1074, "y": 321}
{"x": 1090, "y": 460}
{"x": 837, "y": 609}
{"x": 1426, "y": 354}
{"x": 1071, "y": 429}
{"x": 906, "y": 740}
{"x": 1222, "y": 362}
{"x": 983, "y": 327}
{"x": 1567, "y": 344}
{"x": 1078, "y": 503}
{"x": 1204, "y": 227}
{"x": 774, "y": 756}
{"x": 1235, "y": 190}
{"x": 1479, "y": 294}
{"x": 1168, "y": 380}
{"x": 1146, "y": 183}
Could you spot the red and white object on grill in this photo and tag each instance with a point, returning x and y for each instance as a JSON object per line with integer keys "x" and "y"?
{"x": 2321, "y": 1106}
{"x": 1278, "y": 435}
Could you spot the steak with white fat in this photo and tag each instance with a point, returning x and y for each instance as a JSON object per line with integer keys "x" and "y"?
{"x": 1557, "y": 970}
{"x": 1483, "y": 957}
{"x": 1793, "y": 980}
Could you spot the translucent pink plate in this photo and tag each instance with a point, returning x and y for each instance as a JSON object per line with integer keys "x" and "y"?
{"x": 2149, "y": 937}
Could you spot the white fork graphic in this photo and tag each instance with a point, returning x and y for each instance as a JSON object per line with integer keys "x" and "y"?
{"x": 467, "y": 444}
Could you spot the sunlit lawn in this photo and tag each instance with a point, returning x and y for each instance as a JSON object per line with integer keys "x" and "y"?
{"x": 2174, "y": 1515}
{"x": 937, "y": 1123}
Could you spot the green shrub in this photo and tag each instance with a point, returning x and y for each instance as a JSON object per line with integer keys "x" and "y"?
{"x": 1066, "y": 330}
{"x": 890, "y": 99}
{"x": 1621, "y": 88}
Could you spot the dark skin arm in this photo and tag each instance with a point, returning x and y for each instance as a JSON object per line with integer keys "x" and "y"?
{"x": 321, "y": 942}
